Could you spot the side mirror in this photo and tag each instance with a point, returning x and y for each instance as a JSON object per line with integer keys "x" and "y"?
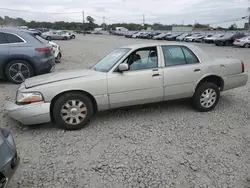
{"x": 123, "y": 67}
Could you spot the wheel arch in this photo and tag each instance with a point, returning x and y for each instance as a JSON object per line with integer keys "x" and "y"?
{"x": 91, "y": 97}
{"x": 212, "y": 78}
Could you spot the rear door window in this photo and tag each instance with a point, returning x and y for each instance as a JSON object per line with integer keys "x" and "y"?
{"x": 11, "y": 38}
{"x": 2, "y": 39}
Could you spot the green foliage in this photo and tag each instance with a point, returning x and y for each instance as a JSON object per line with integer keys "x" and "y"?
{"x": 233, "y": 27}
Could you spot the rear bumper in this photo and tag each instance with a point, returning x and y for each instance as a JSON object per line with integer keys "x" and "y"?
{"x": 30, "y": 114}
{"x": 238, "y": 44}
{"x": 234, "y": 81}
{"x": 46, "y": 65}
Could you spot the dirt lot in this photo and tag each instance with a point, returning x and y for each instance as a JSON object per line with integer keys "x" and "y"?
{"x": 157, "y": 145}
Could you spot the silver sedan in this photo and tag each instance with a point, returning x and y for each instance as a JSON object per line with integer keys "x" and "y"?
{"x": 130, "y": 75}
{"x": 243, "y": 42}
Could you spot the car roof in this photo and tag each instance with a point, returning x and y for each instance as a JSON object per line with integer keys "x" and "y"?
{"x": 145, "y": 45}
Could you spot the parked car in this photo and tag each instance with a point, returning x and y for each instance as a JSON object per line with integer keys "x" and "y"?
{"x": 243, "y": 42}
{"x": 71, "y": 35}
{"x": 131, "y": 75}
{"x": 173, "y": 36}
{"x": 136, "y": 35}
{"x": 54, "y": 35}
{"x": 210, "y": 39}
{"x": 22, "y": 55}
{"x": 161, "y": 36}
{"x": 97, "y": 32}
{"x": 192, "y": 38}
{"x": 201, "y": 38}
{"x": 56, "y": 51}
{"x": 182, "y": 37}
{"x": 228, "y": 39}
{"x": 9, "y": 159}
{"x": 129, "y": 34}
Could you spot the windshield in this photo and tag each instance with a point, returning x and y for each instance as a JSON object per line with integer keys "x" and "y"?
{"x": 105, "y": 64}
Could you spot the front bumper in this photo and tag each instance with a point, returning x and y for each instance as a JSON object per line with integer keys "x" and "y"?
{"x": 8, "y": 171}
{"x": 29, "y": 114}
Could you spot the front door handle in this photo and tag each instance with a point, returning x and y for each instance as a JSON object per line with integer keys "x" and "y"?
{"x": 158, "y": 74}
{"x": 197, "y": 70}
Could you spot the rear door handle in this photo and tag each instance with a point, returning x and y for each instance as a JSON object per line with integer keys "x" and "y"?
{"x": 197, "y": 70}
{"x": 158, "y": 74}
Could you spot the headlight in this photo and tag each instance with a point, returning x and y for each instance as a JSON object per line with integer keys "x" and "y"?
{"x": 29, "y": 97}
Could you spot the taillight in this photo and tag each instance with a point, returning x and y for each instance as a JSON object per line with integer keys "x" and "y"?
{"x": 47, "y": 49}
{"x": 237, "y": 40}
{"x": 242, "y": 67}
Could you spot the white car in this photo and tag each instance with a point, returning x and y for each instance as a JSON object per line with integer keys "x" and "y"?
{"x": 243, "y": 42}
{"x": 57, "y": 51}
{"x": 136, "y": 34}
{"x": 192, "y": 38}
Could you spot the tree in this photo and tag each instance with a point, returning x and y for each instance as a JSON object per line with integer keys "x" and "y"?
{"x": 91, "y": 22}
{"x": 232, "y": 27}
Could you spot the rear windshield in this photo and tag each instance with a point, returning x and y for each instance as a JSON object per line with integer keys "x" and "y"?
{"x": 42, "y": 40}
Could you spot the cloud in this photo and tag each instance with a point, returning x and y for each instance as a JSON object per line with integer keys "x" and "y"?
{"x": 164, "y": 11}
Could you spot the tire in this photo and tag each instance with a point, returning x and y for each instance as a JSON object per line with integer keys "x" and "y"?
{"x": 214, "y": 94}
{"x": 70, "y": 123}
{"x": 246, "y": 45}
{"x": 65, "y": 38}
{"x": 58, "y": 58}
{"x": 73, "y": 36}
{"x": 48, "y": 38}
{"x": 216, "y": 44}
{"x": 17, "y": 71}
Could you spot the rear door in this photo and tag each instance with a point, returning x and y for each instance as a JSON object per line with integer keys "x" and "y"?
{"x": 4, "y": 52}
{"x": 182, "y": 70}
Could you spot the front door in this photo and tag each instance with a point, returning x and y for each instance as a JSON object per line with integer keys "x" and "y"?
{"x": 142, "y": 83}
{"x": 182, "y": 70}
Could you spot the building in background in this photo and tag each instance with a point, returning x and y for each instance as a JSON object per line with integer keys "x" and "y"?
{"x": 121, "y": 29}
{"x": 246, "y": 26}
{"x": 182, "y": 28}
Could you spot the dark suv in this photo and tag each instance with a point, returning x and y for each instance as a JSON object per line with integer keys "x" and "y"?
{"x": 228, "y": 39}
{"x": 22, "y": 55}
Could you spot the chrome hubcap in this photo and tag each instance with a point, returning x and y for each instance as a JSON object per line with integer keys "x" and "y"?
{"x": 208, "y": 98}
{"x": 19, "y": 72}
{"x": 73, "y": 112}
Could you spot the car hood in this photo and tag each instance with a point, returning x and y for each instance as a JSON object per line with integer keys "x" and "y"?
{"x": 59, "y": 76}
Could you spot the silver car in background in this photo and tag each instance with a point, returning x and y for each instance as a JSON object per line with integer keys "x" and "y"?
{"x": 243, "y": 42}
{"x": 55, "y": 35}
{"x": 8, "y": 157}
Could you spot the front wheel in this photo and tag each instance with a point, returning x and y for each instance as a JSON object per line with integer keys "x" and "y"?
{"x": 73, "y": 36}
{"x": 206, "y": 97}
{"x": 73, "y": 110}
{"x": 59, "y": 57}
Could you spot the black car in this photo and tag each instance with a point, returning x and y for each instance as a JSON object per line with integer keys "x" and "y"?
{"x": 9, "y": 159}
{"x": 228, "y": 39}
{"x": 23, "y": 55}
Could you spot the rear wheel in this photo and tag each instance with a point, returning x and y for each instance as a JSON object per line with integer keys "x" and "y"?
{"x": 247, "y": 45}
{"x": 58, "y": 58}
{"x": 206, "y": 97}
{"x": 48, "y": 38}
{"x": 65, "y": 38}
{"x": 73, "y": 36}
{"x": 72, "y": 110}
{"x": 17, "y": 71}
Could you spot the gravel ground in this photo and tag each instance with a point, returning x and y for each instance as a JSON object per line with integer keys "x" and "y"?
{"x": 157, "y": 145}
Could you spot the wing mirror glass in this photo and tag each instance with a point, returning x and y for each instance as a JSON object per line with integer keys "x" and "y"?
{"x": 123, "y": 67}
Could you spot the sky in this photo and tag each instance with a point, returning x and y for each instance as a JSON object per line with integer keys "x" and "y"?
{"x": 212, "y": 12}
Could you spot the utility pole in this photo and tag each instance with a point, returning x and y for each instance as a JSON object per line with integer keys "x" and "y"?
{"x": 103, "y": 22}
{"x": 83, "y": 18}
{"x": 143, "y": 20}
